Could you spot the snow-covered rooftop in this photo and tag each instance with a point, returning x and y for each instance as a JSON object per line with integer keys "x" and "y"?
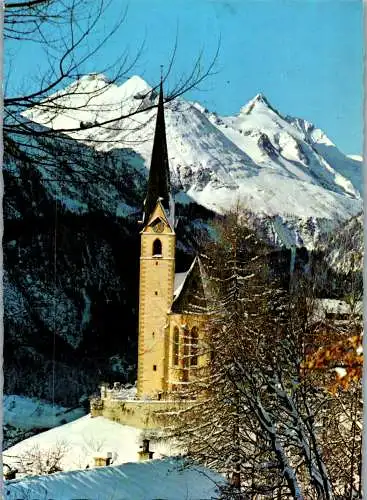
{"x": 180, "y": 279}
{"x": 148, "y": 480}
{"x": 178, "y": 284}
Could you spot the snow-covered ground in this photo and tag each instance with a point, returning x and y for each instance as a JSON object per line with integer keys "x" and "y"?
{"x": 151, "y": 480}
{"x": 86, "y": 438}
{"x": 29, "y": 413}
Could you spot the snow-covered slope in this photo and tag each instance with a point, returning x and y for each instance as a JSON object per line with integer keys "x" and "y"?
{"x": 344, "y": 250}
{"x": 157, "y": 479}
{"x": 85, "y": 438}
{"x": 27, "y": 413}
{"x": 356, "y": 157}
{"x": 275, "y": 165}
{"x": 23, "y": 417}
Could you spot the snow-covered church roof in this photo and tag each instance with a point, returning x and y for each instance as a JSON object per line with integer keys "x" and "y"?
{"x": 189, "y": 294}
{"x": 179, "y": 281}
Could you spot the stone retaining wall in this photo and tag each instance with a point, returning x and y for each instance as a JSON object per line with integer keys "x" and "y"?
{"x": 140, "y": 414}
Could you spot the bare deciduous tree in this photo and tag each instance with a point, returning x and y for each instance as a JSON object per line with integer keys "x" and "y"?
{"x": 37, "y": 460}
{"x": 254, "y": 414}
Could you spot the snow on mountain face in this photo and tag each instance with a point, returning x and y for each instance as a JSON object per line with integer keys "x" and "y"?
{"x": 274, "y": 165}
{"x": 89, "y": 99}
{"x": 356, "y": 157}
{"x": 344, "y": 250}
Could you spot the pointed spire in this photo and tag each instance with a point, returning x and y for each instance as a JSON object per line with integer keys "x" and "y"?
{"x": 159, "y": 179}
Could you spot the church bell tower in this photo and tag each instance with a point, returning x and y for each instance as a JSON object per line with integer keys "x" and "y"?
{"x": 157, "y": 268}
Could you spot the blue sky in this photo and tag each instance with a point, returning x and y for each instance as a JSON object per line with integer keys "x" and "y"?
{"x": 305, "y": 56}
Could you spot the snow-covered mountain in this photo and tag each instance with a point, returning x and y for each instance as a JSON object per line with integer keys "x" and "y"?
{"x": 72, "y": 202}
{"x": 277, "y": 166}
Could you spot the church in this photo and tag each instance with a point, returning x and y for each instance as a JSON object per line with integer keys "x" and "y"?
{"x": 173, "y": 309}
{"x": 172, "y": 306}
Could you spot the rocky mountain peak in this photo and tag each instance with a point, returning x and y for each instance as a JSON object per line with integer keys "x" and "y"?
{"x": 260, "y": 101}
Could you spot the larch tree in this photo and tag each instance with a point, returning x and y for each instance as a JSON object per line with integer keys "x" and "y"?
{"x": 214, "y": 428}
{"x": 252, "y": 414}
{"x": 333, "y": 363}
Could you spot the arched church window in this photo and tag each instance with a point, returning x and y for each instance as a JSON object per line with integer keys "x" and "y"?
{"x": 176, "y": 345}
{"x": 194, "y": 339}
{"x": 157, "y": 247}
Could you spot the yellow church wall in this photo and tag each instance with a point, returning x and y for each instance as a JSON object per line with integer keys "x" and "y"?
{"x": 176, "y": 373}
{"x": 155, "y": 297}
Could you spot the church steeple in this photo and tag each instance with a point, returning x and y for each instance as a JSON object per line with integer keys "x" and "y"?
{"x": 159, "y": 186}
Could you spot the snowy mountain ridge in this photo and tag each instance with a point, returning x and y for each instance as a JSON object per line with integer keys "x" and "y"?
{"x": 274, "y": 165}
{"x": 84, "y": 219}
